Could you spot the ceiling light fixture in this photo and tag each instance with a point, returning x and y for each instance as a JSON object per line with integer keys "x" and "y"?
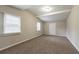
{"x": 46, "y": 9}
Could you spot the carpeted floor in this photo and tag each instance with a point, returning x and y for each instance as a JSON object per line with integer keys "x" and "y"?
{"x": 43, "y": 45}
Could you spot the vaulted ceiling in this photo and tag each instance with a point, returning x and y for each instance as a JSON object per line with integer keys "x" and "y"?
{"x": 57, "y": 13}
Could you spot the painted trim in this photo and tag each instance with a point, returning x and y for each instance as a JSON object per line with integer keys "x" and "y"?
{"x": 17, "y": 43}
{"x": 72, "y": 43}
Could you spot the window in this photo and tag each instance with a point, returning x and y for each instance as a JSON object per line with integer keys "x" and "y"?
{"x": 11, "y": 24}
{"x": 38, "y": 26}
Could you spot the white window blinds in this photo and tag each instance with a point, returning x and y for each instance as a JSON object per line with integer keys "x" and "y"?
{"x": 12, "y": 24}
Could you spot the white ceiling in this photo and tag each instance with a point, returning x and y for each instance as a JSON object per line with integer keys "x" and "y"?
{"x": 59, "y": 12}
{"x": 55, "y": 17}
{"x": 22, "y": 7}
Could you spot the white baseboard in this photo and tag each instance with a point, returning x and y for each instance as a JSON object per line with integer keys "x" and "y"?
{"x": 17, "y": 43}
{"x": 73, "y": 43}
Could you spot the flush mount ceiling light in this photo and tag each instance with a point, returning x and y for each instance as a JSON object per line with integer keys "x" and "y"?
{"x": 46, "y": 9}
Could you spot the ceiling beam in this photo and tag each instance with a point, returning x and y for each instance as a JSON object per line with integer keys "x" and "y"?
{"x": 53, "y": 13}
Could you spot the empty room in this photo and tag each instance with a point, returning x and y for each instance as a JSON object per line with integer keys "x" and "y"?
{"x": 39, "y": 29}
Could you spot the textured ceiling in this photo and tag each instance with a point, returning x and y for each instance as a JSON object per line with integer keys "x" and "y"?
{"x": 46, "y": 16}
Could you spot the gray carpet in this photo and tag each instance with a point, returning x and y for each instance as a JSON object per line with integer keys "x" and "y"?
{"x": 43, "y": 45}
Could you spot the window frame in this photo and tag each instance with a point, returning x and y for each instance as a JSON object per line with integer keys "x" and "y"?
{"x": 38, "y": 29}
{"x": 4, "y": 24}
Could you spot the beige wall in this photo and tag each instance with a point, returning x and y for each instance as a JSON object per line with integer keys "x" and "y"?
{"x": 60, "y": 28}
{"x": 46, "y": 30}
{"x": 28, "y": 22}
{"x": 1, "y": 23}
{"x": 73, "y": 27}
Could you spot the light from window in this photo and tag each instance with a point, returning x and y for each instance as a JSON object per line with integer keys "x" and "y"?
{"x": 38, "y": 26}
{"x": 11, "y": 24}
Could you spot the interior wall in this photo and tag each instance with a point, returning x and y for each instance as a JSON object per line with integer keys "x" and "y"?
{"x": 46, "y": 30}
{"x": 73, "y": 27}
{"x": 60, "y": 28}
{"x": 1, "y": 21}
{"x": 28, "y": 27}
